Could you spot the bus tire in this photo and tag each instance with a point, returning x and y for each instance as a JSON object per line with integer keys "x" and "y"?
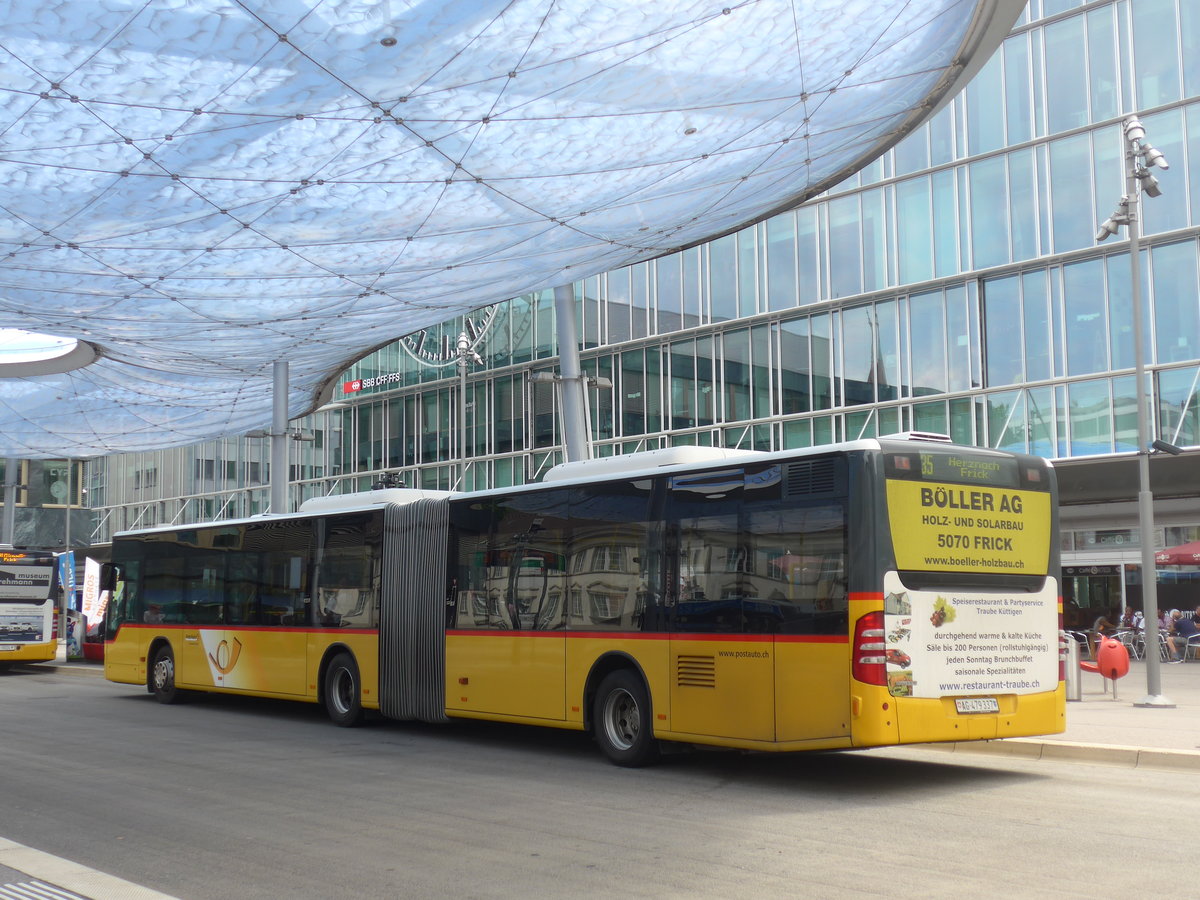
{"x": 162, "y": 676}
{"x": 343, "y": 691}
{"x": 621, "y": 720}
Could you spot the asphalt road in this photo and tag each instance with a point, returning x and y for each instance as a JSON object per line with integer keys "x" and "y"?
{"x": 235, "y": 798}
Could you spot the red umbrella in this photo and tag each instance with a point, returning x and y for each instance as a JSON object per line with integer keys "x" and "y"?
{"x": 1183, "y": 555}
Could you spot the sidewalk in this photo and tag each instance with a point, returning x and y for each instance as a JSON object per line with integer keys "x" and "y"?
{"x": 1117, "y": 732}
{"x": 1099, "y": 728}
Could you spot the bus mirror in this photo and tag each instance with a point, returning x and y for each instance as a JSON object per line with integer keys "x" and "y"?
{"x": 109, "y": 575}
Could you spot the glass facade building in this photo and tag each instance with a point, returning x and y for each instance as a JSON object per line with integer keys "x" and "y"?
{"x": 955, "y": 285}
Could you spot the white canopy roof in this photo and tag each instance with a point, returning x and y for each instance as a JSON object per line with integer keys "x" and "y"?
{"x": 197, "y": 189}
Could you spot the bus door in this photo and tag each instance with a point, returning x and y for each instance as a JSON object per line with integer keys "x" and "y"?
{"x": 264, "y": 646}
{"x": 722, "y": 672}
{"x": 507, "y": 657}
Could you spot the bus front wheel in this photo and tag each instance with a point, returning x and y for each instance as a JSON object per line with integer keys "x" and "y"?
{"x": 621, "y": 720}
{"x": 343, "y": 691}
{"x": 162, "y": 676}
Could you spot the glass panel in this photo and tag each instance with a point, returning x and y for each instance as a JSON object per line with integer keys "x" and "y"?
{"x": 797, "y": 434}
{"x": 1193, "y": 157}
{"x": 654, "y": 403}
{"x": 794, "y": 369}
{"x": 859, "y": 350}
{"x": 1037, "y": 326}
{"x": 683, "y": 384}
{"x": 1091, "y": 418}
{"x": 1170, "y": 210}
{"x": 670, "y": 293}
{"x": 693, "y": 312}
{"x": 1022, "y": 205}
{"x": 736, "y": 347}
{"x": 1156, "y": 63}
{"x": 781, "y": 262}
{"x": 706, "y": 394}
{"x": 633, "y": 392}
{"x": 930, "y": 417}
{"x": 1087, "y": 326}
{"x": 985, "y": 129}
{"x": 1017, "y": 89}
{"x": 822, "y": 362}
{"x": 808, "y": 236}
{"x": 1003, "y": 341}
{"x": 617, "y": 307}
{"x": 958, "y": 340}
{"x": 1120, "y": 311}
{"x": 1072, "y": 214}
{"x": 1102, "y": 63}
{"x": 1189, "y": 20}
{"x": 747, "y": 252}
{"x": 874, "y": 228}
{"x": 912, "y": 153}
{"x": 1066, "y": 75}
{"x": 989, "y": 224}
{"x": 760, "y": 372}
{"x": 962, "y": 420}
{"x": 945, "y": 224}
{"x": 1124, "y": 402}
{"x": 722, "y": 278}
{"x": 1179, "y": 406}
{"x": 941, "y": 136}
{"x": 915, "y": 238}
{"x": 928, "y": 337}
{"x": 1176, "y": 302}
{"x": 1039, "y": 410}
{"x": 845, "y": 247}
{"x": 1006, "y": 421}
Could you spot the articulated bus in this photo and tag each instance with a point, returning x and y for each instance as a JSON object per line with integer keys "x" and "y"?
{"x": 886, "y": 591}
{"x": 28, "y": 590}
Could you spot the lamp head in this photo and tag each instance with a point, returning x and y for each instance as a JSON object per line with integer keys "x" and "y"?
{"x": 1134, "y": 130}
{"x": 1107, "y": 228}
{"x": 1154, "y": 157}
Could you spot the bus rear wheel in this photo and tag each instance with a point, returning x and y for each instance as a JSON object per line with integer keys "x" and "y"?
{"x": 343, "y": 691}
{"x": 621, "y": 720}
{"x": 162, "y": 677}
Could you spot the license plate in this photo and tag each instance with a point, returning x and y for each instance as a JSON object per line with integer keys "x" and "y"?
{"x": 967, "y": 705}
{"x": 9, "y": 648}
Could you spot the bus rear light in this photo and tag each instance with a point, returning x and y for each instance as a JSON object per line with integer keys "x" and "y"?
{"x": 870, "y": 650}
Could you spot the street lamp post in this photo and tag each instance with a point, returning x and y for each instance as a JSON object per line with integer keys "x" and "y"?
{"x": 1140, "y": 157}
{"x": 466, "y": 356}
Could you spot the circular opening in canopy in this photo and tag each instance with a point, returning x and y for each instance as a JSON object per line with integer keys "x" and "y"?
{"x": 27, "y": 353}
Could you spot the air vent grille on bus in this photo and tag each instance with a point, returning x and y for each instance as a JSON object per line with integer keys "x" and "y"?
{"x": 696, "y": 671}
{"x": 814, "y": 476}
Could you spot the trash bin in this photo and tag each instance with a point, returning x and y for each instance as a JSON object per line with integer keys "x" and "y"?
{"x": 1070, "y": 651}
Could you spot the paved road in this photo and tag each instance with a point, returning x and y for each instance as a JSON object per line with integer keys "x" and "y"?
{"x": 236, "y": 798}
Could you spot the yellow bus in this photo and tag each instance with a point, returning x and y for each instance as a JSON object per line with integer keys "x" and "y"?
{"x": 886, "y": 591}
{"x": 28, "y": 590}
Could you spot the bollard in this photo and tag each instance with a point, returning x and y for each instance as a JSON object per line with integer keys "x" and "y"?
{"x": 1074, "y": 685}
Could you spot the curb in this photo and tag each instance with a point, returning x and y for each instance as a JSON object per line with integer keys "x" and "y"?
{"x": 82, "y": 669}
{"x": 1070, "y": 751}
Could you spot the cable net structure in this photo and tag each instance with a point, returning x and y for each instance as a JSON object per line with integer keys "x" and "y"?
{"x": 196, "y": 190}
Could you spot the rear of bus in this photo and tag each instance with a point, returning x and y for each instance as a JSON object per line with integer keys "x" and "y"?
{"x": 28, "y": 587}
{"x": 960, "y": 639}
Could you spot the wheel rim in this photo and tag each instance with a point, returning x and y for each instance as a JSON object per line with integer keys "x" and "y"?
{"x": 622, "y": 719}
{"x": 164, "y": 674}
{"x": 342, "y": 690}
